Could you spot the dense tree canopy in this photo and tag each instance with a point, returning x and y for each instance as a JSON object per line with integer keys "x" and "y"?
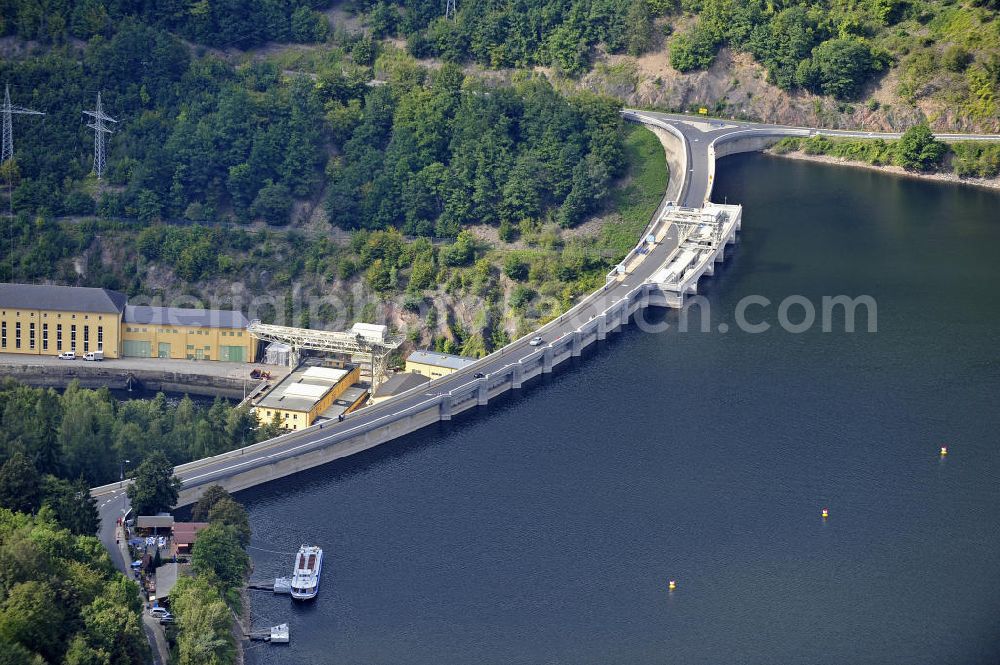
{"x": 87, "y": 433}
{"x": 195, "y": 137}
{"x": 199, "y": 139}
{"x": 61, "y": 601}
{"x": 435, "y": 157}
{"x": 205, "y": 623}
{"x": 516, "y": 33}
{"x": 154, "y": 488}
{"x": 820, "y": 46}
{"x": 918, "y": 149}
{"x": 216, "y": 22}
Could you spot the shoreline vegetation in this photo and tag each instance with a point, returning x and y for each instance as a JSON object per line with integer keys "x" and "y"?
{"x": 917, "y": 154}
{"x": 210, "y": 602}
{"x": 950, "y": 178}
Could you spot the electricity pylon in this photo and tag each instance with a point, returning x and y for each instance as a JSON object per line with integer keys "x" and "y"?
{"x": 451, "y": 9}
{"x": 100, "y": 129}
{"x": 8, "y": 124}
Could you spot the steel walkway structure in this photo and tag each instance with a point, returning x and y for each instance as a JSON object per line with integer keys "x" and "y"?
{"x": 373, "y": 349}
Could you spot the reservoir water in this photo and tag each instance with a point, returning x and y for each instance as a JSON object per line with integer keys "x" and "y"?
{"x": 545, "y": 528}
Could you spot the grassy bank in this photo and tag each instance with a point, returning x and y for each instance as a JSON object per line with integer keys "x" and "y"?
{"x": 637, "y": 199}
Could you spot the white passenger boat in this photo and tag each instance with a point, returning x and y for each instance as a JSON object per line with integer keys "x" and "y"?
{"x": 305, "y": 576}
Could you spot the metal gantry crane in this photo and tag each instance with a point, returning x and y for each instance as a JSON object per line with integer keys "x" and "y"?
{"x": 372, "y": 342}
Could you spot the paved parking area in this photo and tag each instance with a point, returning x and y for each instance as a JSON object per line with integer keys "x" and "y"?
{"x": 200, "y": 367}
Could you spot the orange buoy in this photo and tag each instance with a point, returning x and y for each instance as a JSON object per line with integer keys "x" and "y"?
{"x": 826, "y": 513}
{"x": 672, "y": 584}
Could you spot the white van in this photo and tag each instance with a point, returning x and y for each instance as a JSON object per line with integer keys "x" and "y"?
{"x": 67, "y": 355}
{"x": 94, "y": 355}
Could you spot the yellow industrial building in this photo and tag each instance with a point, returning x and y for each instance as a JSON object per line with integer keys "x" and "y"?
{"x": 41, "y": 319}
{"x": 311, "y": 393}
{"x": 49, "y": 320}
{"x": 433, "y": 364}
{"x": 192, "y": 334}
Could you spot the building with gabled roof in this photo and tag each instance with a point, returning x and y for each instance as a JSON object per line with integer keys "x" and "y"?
{"x": 45, "y": 319}
{"x": 41, "y": 319}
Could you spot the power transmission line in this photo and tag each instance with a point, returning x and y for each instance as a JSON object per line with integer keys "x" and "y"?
{"x": 450, "y": 9}
{"x": 100, "y": 129}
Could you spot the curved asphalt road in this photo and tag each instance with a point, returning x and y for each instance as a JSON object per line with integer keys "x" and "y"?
{"x": 699, "y": 133}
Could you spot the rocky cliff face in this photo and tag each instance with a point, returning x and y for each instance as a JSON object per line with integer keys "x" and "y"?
{"x": 736, "y": 86}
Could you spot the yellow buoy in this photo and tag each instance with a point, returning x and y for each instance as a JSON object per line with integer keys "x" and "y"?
{"x": 672, "y": 584}
{"x": 826, "y": 513}
{"x": 944, "y": 450}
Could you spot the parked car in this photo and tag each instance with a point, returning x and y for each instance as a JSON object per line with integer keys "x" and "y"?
{"x": 159, "y": 612}
{"x": 67, "y": 355}
{"x": 167, "y": 619}
{"x": 478, "y": 375}
{"x": 536, "y": 341}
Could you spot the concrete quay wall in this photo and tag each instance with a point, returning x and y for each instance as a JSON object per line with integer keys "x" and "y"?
{"x": 96, "y": 375}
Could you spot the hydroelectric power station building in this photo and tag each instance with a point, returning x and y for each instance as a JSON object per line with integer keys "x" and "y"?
{"x": 37, "y": 319}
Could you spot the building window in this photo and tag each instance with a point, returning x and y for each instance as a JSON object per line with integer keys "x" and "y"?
{"x": 190, "y": 347}
{"x": 17, "y": 335}
{"x": 72, "y": 338}
{"x": 86, "y": 339}
{"x": 59, "y": 337}
{"x": 3, "y": 334}
{"x": 100, "y": 337}
{"x": 45, "y": 337}
{"x": 31, "y": 335}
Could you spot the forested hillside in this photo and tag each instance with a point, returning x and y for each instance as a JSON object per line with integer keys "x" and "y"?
{"x": 84, "y": 434}
{"x": 203, "y": 140}
{"x": 61, "y": 601}
{"x": 936, "y": 59}
{"x": 444, "y": 155}
{"x": 195, "y": 136}
{"x": 210, "y": 22}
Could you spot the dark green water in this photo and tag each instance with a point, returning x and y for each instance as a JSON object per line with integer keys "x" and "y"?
{"x": 545, "y": 529}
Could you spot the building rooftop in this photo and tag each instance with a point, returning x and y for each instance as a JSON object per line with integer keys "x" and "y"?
{"x": 179, "y": 316}
{"x": 166, "y": 579}
{"x": 185, "y": 533}
{"x": 64, "y": 298}
{"x": 320, "y": 375}
{"x": 154, "y": 522}
{"x": 303, "y": 388}
{"x": 347, "y": 399}
{"x": 398, "y": 383}
{"x": 439, "y": 359}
